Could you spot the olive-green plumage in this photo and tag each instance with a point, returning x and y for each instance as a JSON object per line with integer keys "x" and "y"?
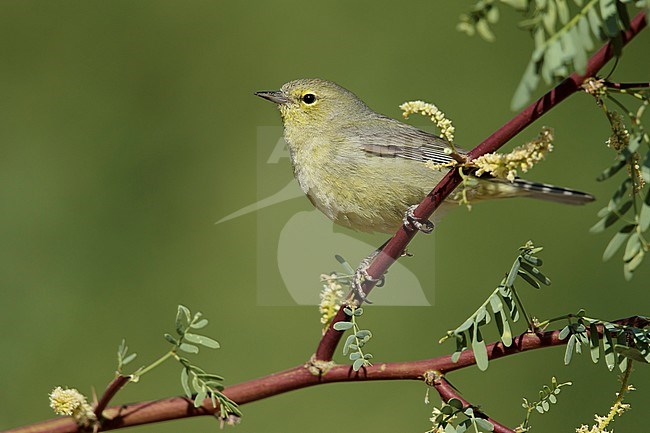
{"x": 362, "y": 169}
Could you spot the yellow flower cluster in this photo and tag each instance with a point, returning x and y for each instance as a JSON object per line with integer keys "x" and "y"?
{"x": 522, "y": 158}
{"x": 72, "y": 403}
{"x": 620, "y": 137}
{"x": 438, "y": 117}
{"x": 618, "y": 408}
{"x": 331, "y": 298}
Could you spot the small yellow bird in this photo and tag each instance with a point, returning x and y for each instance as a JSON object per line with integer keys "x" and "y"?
{"x": 365, "y": 170}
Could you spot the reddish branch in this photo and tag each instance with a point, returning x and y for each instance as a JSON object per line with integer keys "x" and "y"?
{"x": 116, "y": 384}
{"x": 448, "y": 392}
{"x": 303, "y": 375}
{"x": 396, "y": 246}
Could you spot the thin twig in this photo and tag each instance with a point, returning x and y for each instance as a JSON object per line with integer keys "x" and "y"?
{"x": 448, "y": 392}
{"x": 118, "y": 383}
{"x": 623, "y": 86}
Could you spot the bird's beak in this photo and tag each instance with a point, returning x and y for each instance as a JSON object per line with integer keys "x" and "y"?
{"x": 276, "y": 96}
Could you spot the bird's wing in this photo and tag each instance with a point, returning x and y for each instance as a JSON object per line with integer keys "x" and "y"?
{"x": 399, "y": 140}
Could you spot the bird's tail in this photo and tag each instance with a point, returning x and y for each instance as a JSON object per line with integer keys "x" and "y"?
{"x": 543, "y": 191}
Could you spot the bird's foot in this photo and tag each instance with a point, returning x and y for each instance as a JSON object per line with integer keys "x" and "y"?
{"x": 361, "y": 275}
{"x": 412, "y": 223}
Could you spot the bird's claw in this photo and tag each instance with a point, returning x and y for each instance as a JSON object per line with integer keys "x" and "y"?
{"x": 411, "y": 222}
{"x": 361, "y": 275}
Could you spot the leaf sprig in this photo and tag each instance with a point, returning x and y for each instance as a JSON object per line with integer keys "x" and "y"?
{"x": 631, "y": 142}
{"x": 562, "y": 33}
{"x": 353, "y": 346}
{"x": 445, "y": 419}
{"x": 614, "y": 342}
{"x": 547, "y": 396}
{"x": 503, "y": 305}
{"x": 196, "y": 382}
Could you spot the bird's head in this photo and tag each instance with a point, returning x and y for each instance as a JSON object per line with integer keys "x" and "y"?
{"x": 315, "y": 103}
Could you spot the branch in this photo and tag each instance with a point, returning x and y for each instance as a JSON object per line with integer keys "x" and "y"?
{"x": 116, "y": 384}
{"x": 395, "y": 247}
{"x": 625, "y": 86}
{"x": 448, "y": 392}
{"x": 303, "y": 376}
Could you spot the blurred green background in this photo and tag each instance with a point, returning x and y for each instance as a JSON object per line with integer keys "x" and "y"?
{"x": 129, "y": 128}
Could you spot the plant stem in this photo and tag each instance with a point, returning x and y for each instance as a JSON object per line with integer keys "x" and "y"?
{"x": 155, "y": 364}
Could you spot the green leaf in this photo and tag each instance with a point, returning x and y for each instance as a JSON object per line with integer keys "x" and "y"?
{"x": 563, "y": 11}
{"x": 535, "y": 261}
{"x": 358, "y": 364}
{"x": 348, "y": 342}
{"x": 464, "y": 326}
{"x": 530, "y": 280}
{"x": 584, "y": 33}
{"x": 635, "y": 261}
{"x": 185, "y": 383}
{"x": 449, "y": 428}
{"x": 568, "y": 352}
{"x": 200, "y": 324}
{"x": 345, "y": 264}
{"x": 611, "y": 171}
{"x": 644, "y": 216}
{"x": 609, "y": 13}
{"x": 480, "y": 351}
{"x": 529, "y": 82}
{"x": 484, "y": 424}
{"x": 631, "y": 353}
{"x": 595, "y": 23}
{"x": 182, "y": 319}
{"x": 619, "y": 195}
{"x": 633, "y": 246}
{"x": 483, "y": 29}
{"x": 608, "y": 349}
{"x": 536, "y": 273}
{"x": 189, "y": 348}
{"x": 200, "y": 397}
{"x": 209, "y": 377}
{"x": 202, "y": 340}
{"x": 611, "y": 218}
{"x": 170, "y": 339}
{"x": 481, "y": 316}
{"x": 512, "y": 275}
{"x": 455, "y": 403}
{"x": 549, "y": 17}
{"x": 616, "y": 241}
{"x": 129, "y": 358}
{"x": 363, "y": 333}
{"x": 342, "y": 326}
{"x": 623, "y": 17}
{"x": 580, "y": 53}
{"x": 564, "y": 333}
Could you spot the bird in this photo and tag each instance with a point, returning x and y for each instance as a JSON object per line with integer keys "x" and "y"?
{"x": 367, "y": 171}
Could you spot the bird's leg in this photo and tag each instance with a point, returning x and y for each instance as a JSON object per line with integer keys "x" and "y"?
{"x": 361, "y": 275}
{"x": 413, "y": 223}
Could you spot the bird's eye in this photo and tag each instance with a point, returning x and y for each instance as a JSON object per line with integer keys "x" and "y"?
{"x": 309, "y": 98}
